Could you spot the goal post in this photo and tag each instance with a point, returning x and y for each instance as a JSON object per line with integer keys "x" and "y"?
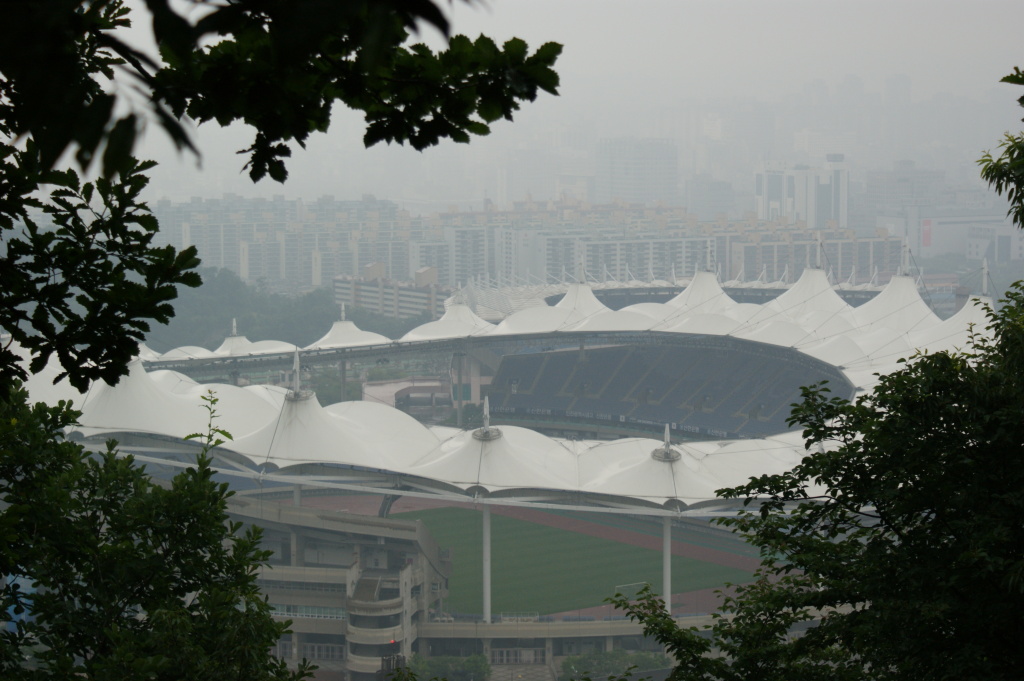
{"x": 631, "y": 591}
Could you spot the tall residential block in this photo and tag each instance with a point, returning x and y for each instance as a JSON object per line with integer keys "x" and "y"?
{"x": 816, "y": 197}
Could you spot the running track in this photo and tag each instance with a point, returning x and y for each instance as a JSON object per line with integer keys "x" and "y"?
{"x": 700, "y": 601}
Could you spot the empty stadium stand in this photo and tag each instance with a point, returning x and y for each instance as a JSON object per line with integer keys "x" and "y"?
{"x": 704, "y": 387}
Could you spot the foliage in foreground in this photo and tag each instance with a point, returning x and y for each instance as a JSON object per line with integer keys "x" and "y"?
{"x": 85, "y": 289}
{"x": 1005, "y": 172}
{"x": 118, "y": 576}
{"x": 450, "y": 668}
{"x": 82, "y": 281}
{"x": 897, "y": 543}
{"x": 128, "y": 579}
{"x": 476, "y": 668}
{"x": 277, "y": 67}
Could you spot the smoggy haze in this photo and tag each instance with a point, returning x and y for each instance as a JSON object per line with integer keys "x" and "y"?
{"x": 733, "y": 83}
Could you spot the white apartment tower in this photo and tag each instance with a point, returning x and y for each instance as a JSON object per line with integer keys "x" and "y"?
{"x": 818, "y": 197}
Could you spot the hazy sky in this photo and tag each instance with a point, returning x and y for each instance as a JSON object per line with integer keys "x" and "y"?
{"x": 628, "y": 67}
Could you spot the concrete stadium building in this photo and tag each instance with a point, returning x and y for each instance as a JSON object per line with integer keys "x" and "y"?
{"x": 363, "y": 588}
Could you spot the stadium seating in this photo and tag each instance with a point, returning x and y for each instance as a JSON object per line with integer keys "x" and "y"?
{"x": 708, "y": 389}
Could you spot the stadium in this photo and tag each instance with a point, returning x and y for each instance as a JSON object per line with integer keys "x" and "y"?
{"x": 345, "y": 491}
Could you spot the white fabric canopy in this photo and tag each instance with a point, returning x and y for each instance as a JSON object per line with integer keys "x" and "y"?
{"x": 898, "y": 306}
{"x": 345, "y": 334}
{"x": 272, "y": 429}
{"x": 577, "y": 305}
{"x": 458, "y": 321}
{"x": 520, "y": 458}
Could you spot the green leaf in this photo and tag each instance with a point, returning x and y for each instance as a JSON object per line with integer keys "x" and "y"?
{"x": 515, "y": 49}
{"x": 477, "y": 128}
{"x": 120, "y": 142}
{"x": 490, "y": 110}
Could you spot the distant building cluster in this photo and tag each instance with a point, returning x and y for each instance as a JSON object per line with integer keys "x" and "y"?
{"x": 390, "y": 298}
{"x": 805, "y": 216}
{"x": 287, "y": 245}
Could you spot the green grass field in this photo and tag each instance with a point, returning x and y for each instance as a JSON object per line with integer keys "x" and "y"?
{"x": 542, "y": 569}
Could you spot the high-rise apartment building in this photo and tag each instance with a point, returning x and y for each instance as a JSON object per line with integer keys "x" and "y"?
{"x": 817, "y": 197}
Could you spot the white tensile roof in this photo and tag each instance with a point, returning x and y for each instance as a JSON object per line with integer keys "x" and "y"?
{"x": 578, "y": 305}
{"x": 345, "y": 334}
{"x": 234, "y": 345}
{"x": 711, "y": 323}
{"x": 627, "y": 468}
{"x": 147, "y": 353}
{"x": 608, "y": 320}
{"x": 139, "y": 404}
{"x": 274, "y": 427}
{"x": 519, "y": 459}
{"x": 458, "y": 321}
{"x": 240, "y": 346}
{"x": 301, "y": 432}
{"x": 174, "y": 381}
{"x": 953, "y": 333}
{"x": 809, "y": 295}
{"x": 372, "y": 437}
{"x": 394, "y": 439}
{"x": 838, "y": 351}
{"x": 899, "y": 306}
{"x": 809, "y": 316}
{"x": 704, "y": 294}
{"x": 775, "y": 330}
